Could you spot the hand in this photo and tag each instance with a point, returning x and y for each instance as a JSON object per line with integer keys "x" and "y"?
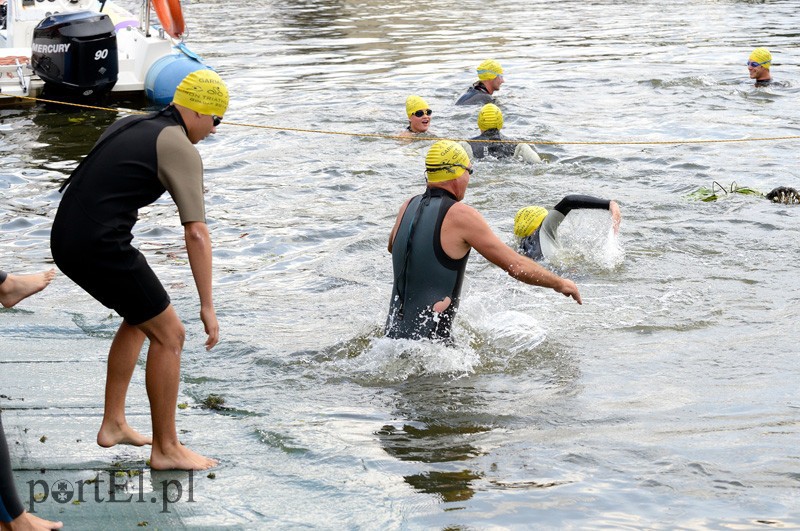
{"x": 569, "y": 289}
{"x": 616, "y": 215}
{"x": 209, "y": 318}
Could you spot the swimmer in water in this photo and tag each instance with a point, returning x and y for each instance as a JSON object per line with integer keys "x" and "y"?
{"x": 490, "y": 78}
{"x": 419, "y": 116}
{"x": 537, "y": 229}
{"x": 758, "y": 64}
{"x": 490, "y": 121}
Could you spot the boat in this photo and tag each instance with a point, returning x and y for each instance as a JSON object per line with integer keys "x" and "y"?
{"x": 87, "y": 49}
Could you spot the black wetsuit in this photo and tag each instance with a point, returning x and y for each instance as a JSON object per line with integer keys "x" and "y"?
{"x": 540, "y": 244}
{"x": 423, "y": 273}
{"x": 3, "y": 276}
{"x": 10, "y": 505}
{"x": 475, "y": 95}
{"x": 763, "y": 82}
{"x": 495, "y": 149}
{"x": 135, "y": 161}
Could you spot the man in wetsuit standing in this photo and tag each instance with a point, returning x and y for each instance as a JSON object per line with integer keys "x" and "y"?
{"x": 430, "y": 244}
{"x": 537, "y": 229}
{"x": 490, "y": 77}
{"x": 133, "y": 163}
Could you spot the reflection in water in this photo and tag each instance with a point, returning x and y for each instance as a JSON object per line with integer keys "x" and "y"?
{"x": 429, "y": 444}
{"x": 451, "y": 486}
{"x": 441, "y": 423}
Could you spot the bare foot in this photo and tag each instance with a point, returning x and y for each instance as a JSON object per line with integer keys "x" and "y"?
{"x": 179, "y": 457}
{"x": 29, "y": 522}
{"x": 18, "y": 287}
{"x": 112, "y": 434}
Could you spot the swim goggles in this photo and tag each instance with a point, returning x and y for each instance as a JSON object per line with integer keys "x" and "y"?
{"x": 753, "y": 64}
{"x": 217, "y": 120}
{"x": 438, "y": 167}
{"x": 420, "y": 113}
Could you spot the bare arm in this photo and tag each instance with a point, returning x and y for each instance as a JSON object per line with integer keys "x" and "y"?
{"x": 198, "y": 246}
{"x": 464, "y": 223}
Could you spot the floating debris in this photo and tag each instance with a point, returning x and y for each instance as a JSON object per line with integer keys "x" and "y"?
{"x": 785, "y": 195}
{"x": 717, "y": 191}
{"x": 215, "y": 402}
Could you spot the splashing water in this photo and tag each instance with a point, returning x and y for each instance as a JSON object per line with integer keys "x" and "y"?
{"x": 586, "y": 238}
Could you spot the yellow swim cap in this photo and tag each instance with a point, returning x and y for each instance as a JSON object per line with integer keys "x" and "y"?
{"x": 527, "y": 220}
{"x": 490, "y": 117}
{"x": 203, "y": 91}
{"x": 762, "y": 55}
{"x": 489, "y": 69}
{"x": 446, "y": 160}
{"x": 414, "y": 104}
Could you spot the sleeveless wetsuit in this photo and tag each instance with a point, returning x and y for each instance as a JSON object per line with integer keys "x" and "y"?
{"x": 135, "y": 161}
{"x": 498, "y": 150}
{"x": 475, "y": 95}
{"x": 423, "y": 273}
{"x": 763, "y": 82}
{"x": 542, "y": 243}
{"x": 10, "y": 505}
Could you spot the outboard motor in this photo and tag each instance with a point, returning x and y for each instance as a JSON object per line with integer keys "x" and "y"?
{"x": 75, "y": 54}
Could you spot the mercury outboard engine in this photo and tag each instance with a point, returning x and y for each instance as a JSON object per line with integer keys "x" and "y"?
{"x": 75, "y": 54}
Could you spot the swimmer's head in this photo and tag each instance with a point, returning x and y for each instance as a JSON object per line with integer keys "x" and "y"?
{"x": 490, "y": 117}
{"x": 527, "y": 220}
{"x": 414, "y": 104}
{"x": 446, "y": 160}
{"x": 761, "y": 56}
{"x": 203, "y": 91}
{"x": 489, "y": 69}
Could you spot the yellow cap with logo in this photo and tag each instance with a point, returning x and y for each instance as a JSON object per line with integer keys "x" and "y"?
{"x": 489, "y": 69}
{"x": 203, "y": 91}
{"x": 527, "y": 220}
{"x": 414, "y": 104}
{"x": 762, "y": 55}
{"x": 446, "y": 160}
{"x": 490, "y": 117}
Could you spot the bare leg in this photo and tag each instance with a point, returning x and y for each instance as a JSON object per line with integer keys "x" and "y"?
{"x": 166, "y": 334}
{"x": 121, "y": 363}
{"x": 29, "y": 522}
{"x": 18, "y": 287}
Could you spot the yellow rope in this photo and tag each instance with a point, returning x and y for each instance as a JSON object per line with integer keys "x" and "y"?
{"x": 432, "y": 138}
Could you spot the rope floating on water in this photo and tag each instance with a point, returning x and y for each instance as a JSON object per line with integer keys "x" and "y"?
{"x": 434, "y": 139}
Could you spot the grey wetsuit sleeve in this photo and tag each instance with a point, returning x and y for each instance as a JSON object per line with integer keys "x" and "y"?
{"x": 180, "y": 170}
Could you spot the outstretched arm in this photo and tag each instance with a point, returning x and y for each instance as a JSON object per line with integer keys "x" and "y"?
{"x": 198, "y": 246}
{"x": 470, "y": 226}
{"x": 575, "y": 201}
